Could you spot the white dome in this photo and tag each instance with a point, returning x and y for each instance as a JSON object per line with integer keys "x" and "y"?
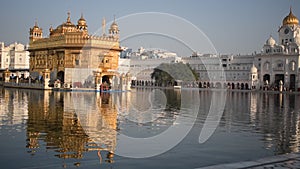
{"x": 253, "y": 69}
{"x": 271, "y": 41}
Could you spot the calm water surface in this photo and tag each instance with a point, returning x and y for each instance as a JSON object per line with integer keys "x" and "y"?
{"x": 40, "y": 129}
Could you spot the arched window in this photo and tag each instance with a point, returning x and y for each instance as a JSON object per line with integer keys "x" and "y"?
{"x": 279, "y": 65}
{"x": 292, "y": 65}
{"x": 266, "y": 66}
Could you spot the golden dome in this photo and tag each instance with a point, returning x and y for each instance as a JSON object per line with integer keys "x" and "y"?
{"x": 291, "y": 19}
{"x": 35, "y": 27}
{"x": 114, "y": 26}
{"x": 81, "y": 21}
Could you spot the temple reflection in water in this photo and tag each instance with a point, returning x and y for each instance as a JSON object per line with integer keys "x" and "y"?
{"x": 70, "y": 124}
{"x": 64, "y": 122}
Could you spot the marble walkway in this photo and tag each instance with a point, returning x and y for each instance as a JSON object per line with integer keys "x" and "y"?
{"x": 275, "y": 162}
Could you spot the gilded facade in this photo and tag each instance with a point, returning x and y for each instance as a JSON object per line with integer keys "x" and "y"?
{"x": 74, "y": 56}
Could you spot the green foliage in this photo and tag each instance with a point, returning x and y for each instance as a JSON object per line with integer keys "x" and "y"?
{"x": 167, "y": 74}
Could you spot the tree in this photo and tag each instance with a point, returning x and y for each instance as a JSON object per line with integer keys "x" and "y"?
{"x": 167, "y": 74}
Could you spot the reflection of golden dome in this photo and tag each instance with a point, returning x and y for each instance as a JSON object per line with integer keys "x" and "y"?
{"x": 291, "y": 19}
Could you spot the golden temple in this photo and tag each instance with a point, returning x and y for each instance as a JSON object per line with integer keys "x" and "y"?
{"x": 70, "y": 49}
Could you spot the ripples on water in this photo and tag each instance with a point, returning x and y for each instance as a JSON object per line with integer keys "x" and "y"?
{"x": 67, "y": 129}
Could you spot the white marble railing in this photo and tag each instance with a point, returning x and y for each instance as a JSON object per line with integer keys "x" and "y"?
{"x": 24, "y": 85}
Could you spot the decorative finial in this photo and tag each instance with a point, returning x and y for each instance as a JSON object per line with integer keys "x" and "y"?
{"x": 81, "y": 15}
{"x": 69, "y": 19}
{"x": 103, "y": 26}
{"x": 35, "y": 22}
{"x": 50, "y": 29}
{"x": 291, "y": 9}
{"x": 114, "y": 18}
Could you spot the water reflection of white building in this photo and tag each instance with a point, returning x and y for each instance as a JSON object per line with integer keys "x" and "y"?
{"x": 276, "y": 117}
{"x": 13, "y": 107}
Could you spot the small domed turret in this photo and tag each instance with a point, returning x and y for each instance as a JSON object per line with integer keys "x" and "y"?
{"x": 81, "y": 21}
{"x": 271, "y": 41}
{"x": 81, "y": 24}
{"x": 35, "y": 32}
{"x": 114, "y": 28}
{"x": 253, "y": 69}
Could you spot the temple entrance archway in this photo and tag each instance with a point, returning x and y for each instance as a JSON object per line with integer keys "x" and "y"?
{"x": 292, "y": 82}
{"x": 266, "y": 77}
{"x": 278, "y": 78}
{"x": 246, "y": 86}
{"x": 61, "y": 76}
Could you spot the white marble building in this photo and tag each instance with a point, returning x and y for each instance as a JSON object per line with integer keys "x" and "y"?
{"x": 280, "y": 62}
{"x": 14, "y": 56}
{"x": 19, "y": 57}
{"x": 141, "y": 64}
{"x": 225, "y": 71}
{"x": 4, "y": 56}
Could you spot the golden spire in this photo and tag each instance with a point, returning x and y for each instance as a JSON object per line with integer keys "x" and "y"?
{"x": 35, "y": 23}
{"x": 51, "y": 28}
{"x": 36, "y": 26}
{"x": 69, "y": 18}
{"x": 82, "y": 21}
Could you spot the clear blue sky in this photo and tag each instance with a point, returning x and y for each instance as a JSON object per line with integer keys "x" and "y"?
{"x": 233, "y": 26}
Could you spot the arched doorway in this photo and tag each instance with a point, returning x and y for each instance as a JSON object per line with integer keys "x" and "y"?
{"x": 232, "y": 86}
{"x": 106, "y": 82}
{"x": 266, "y": 77}
{"x": 292, "y": 82}
{"x": 278, "y": 78}
{"x": 246, "y": 86}
{"x": 228, "y": 86}
{"x": 200, "y": 85}
{"x": 61, "y": 76}
{"x": 242, "y": 86}
{"x": 218, "y": 85}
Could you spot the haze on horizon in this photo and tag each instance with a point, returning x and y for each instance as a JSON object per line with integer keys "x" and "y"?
{"x": 232, "y": 26}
